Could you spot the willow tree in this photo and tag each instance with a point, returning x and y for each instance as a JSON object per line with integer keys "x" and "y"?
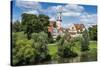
{"x": 40, "y": 45}
{"x": 65, "y": 46}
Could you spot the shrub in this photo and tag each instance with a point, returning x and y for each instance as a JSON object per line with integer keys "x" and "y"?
{"x": 23, "y": 53}
{"x": 65, "y": 46}
{"x": 40, "y": 46}
{"x": 58, "y": 38}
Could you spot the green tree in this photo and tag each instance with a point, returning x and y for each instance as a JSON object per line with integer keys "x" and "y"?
{"x": 85, "y": 41}
{"x": 23, "y": 53}
{"x": 33, "y": 23}
{"x": 40, "y": 46}
{"x": 93, "y": 32}
{"x": 17, "y": 36}
{"x": 28, "y": 23}
{"x": 16, "y": 26}
{"x": 22, "y": 49}
{"x": 65, "y": 46}
{"x": 43, "y": 22}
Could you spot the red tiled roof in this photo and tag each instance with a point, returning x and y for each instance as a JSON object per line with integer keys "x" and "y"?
{"x": 79, "y": 26}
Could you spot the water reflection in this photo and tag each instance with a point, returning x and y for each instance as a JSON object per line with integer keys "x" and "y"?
{"x": 83, "y": 57}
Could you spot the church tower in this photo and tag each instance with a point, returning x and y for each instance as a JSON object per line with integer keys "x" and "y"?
{"x": 59, "y": 21}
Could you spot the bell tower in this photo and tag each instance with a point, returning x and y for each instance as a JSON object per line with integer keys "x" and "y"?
{"x": 59, "y": 21}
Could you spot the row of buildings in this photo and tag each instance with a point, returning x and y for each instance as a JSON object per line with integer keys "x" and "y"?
{"x": 75, "y": 30}
{"x": 56, "y": 29}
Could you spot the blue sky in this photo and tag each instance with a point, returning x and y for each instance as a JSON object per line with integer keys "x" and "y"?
{"x": 71, "y": 13}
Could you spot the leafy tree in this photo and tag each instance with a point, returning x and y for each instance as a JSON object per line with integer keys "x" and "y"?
{"x": 65, "y": 46}
{"x": 16, "y": 26}
{"x": 43, "y": 22}
{"x": 40, "y": 46}
{"x": 17, "y": 36}
{"x": 93, "y": 32}
{"x": 23, "y": 53}
{"x": 33, "y": 23}
{"x": 28, "y": 22}
{"x": 50, "y": 38}
{"x": 22, "y": 49}
{"x": 58, "y": 38}
{"x": 85, "y": 40}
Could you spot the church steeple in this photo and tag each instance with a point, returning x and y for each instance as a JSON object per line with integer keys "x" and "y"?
{"x": 59, "y": 21}
{"x": 59, "y": 16}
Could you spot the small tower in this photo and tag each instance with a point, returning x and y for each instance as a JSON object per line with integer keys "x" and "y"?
{"x": 59, "y": 21}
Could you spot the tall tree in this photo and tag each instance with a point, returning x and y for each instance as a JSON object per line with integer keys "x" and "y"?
{"x": 85, "y": 41}
{"x": 28, "y": 23}
{"x": 40, "y": 45}
{"x": 33, "y": 23}
{"x": 93, "y": 32}
{"x": 43, "y": 22}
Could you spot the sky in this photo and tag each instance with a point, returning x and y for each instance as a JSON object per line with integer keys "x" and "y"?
{"x": 71, "y": 13}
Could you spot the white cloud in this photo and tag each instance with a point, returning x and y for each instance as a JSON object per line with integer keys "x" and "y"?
{"x": 52, "y": 19}
{"x": 71, "y": 14}
{"x": 74, "y": 8}
{"x": 67, "y": 10}
{"x": 32, "y": 12}
{"x": 88, "y": 18}
{"x": 28, "y": 5}
{"x": 74, "y": 11}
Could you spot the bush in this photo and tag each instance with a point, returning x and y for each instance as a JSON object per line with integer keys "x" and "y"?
{"x": 65, "y": 46}
{"x": 40, "y": 46}
{"x": 58, "y": 38}
{"x": 31, "y": 51}
{"x": 23, "y": 53}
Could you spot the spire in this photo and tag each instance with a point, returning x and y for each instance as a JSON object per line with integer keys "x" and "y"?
{"x": 59, "y": 16}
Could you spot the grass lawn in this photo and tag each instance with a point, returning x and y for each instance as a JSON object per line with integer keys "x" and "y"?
{"x": 53, "y": 48}
{"x": 93, "y": 44}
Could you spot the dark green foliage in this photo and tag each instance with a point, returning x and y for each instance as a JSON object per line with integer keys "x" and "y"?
{"x": 16, "y": 26}
{"x": 93, "y": 32}
{"x": 55, "y": 25}
{"x": 69, "y": 53}
{"x": 85, "y": 41}
{"x": 33, "y": 23}
{"x": 77, "y": 39}
{"x": 28, "y": 21}
{"x": 29, "y": 31}
{"x": 50, "y": 38}
{"x": 43, "y": 22}
{"x": 58, "y": 38}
